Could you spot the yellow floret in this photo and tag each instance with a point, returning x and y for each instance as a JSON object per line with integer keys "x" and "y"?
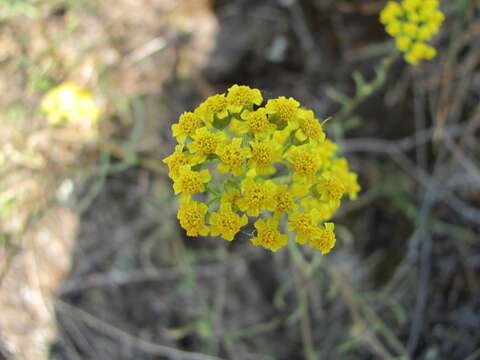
{"x": 325, "y": 239}
{"x": 226, "y": 222}
{"x": 214, "y": 106}
{"x": 191, "y": 216}
{"x": 264, "y": 155}
{"x": 304, "y": 162}
{"x": 284, "y": 111}
{"x": 241, "y": 97}
{"x": 305, "y": 224}
{"x": 176, "y": 160}
{"x": 233, "y": 157}
{"x": 188, "y": 123}
{"x": 206, "y": 143}
{"x": 403, "y": 43}
{"x": 268, "y": 235}
{"x": 256, "y": 196}
{"x": 189, "y": 182}
{"x": 310, "y": 128}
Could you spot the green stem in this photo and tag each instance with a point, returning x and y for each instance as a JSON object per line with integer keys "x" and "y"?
{"x": 368, "y": 88}
{"x": 299, "y": 263}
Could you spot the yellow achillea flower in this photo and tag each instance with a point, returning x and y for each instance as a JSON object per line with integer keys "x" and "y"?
{"x": 412, "y": 23}
{"x": 268, "y": 235}
{"x": 272, "y": 163}
{"x": 188, "y": 123}
{"x": 256, "y": 196}
{"x": 264, "y": 154}
{"x": 233, "y": 157}
{"x": 305, "y": 224}
{"x": 304, "y": 162}
{"x": 331, "y": 189}
{"x": 284, "y": 200}
{"x": 69, "y": 103}
{"x": 310, "y": 128}
{"x": 214, "y": 107}
{"x": 176, "y": 160}
{"x": 192, "y": 218}
{"x": 231, "y": 196}
{"x": 226, "y": 222}
{"x": 254, "y": 122}
{"x": 285, "y": 111}
{"x": 241, "y": 96}
{"x": 325, "y": 239}
{"x": 205, "y": 143}
{"x": 189, "y": 182}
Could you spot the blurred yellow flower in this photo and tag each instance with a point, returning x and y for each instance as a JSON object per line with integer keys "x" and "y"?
{"x": 69, "y": 103}
{"x": 412, "y": 23}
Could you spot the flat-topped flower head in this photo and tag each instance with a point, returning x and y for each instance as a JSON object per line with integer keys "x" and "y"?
{"x": 325, "y": 238}
{"x": 264, "y": 155}
{"x": 303, "y": 162}
{"x": 411, "y": 23}
{"x": 305, "y": 224}
{"x": 268, "y": 235}
{"x": 213, "y": 107}
{"x": 256, "y": 196}
{"x": 226, "y": 222}
{"x": 189, "y": 182}
{"x": 237, "y": 159}
{"x": 285, "y": 111}
{"x": 233, "y": 157}
{"x": 310, "y": 128}
{"x": 206, "y": 142}
{"x": 241, "y": 97}
{"x": 188, "y": 123}
{"x": 176, "y": 160}
{"x": 191, "y": 215}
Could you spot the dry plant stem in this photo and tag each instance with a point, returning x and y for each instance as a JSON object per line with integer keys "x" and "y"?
{"x": 152, "y": 164}
{"x": 126, "y": 338}
{"x": 298, "y": 263}
{"x": 355, "y": 307}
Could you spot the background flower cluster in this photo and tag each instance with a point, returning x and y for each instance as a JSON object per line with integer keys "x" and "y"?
{"x": 238, "y": 159}
{"x": 412, "y": 23}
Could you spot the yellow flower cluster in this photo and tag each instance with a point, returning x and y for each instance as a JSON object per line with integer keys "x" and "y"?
{"x": 69, "y": 103}
{"x": 238, "y": 160}
{"x": 412, "y": 23}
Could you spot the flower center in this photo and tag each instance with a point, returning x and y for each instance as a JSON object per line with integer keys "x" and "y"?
{"x": 335, "y": 190}
{"x": 312, "y": 128}
{"x": 189, "y": 122}
{"x": 229, "y": 223}
{"x": 284, "y": 202}
{"x": 286, "y": 111}
{"x": 232, "y": 156}
{"x": 256, "y": 196}
{"x": 257, "y": 122}
{"x": 268, "y": 237}
{"x": 304, "y": 225}
{"x": 191, "y": 183}
{"x": 206, "y": 143}
{"x": 262, "y": 153}
{"x": 216, "y": 104}
{"x": 305, "y": 165}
